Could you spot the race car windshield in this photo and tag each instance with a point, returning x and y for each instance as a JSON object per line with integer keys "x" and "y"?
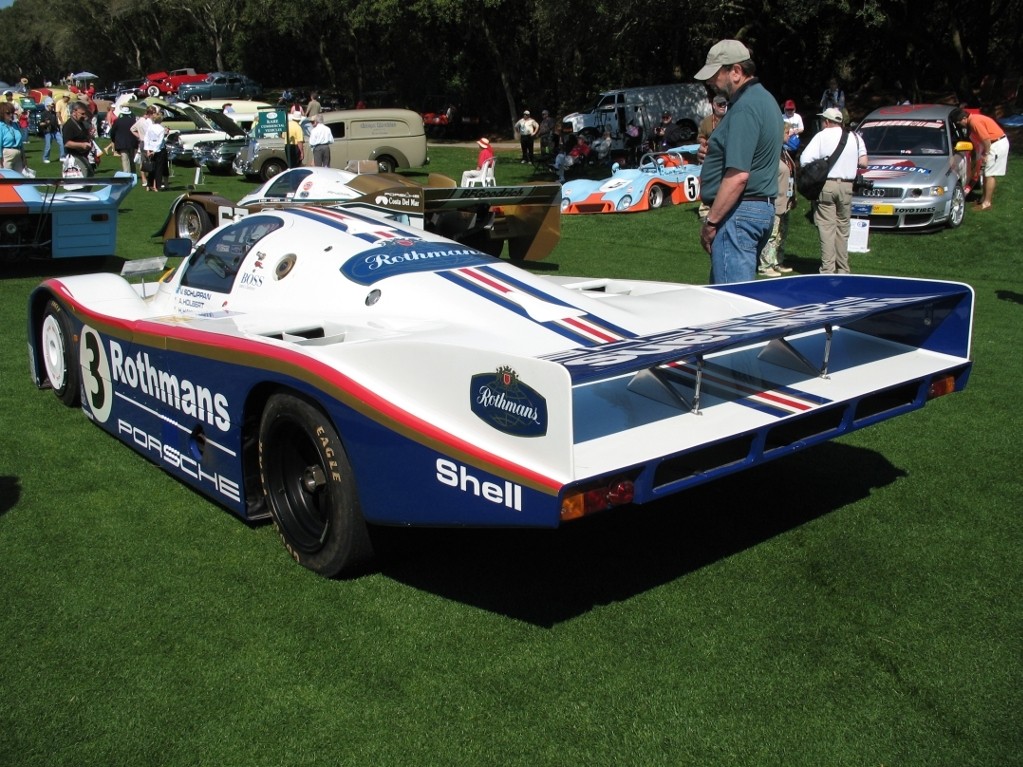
{"x": 215, "y": 264}
{"x": 905, "y": 137}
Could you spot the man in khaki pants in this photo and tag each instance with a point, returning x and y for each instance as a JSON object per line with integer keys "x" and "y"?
{"x": 833, "y": 209}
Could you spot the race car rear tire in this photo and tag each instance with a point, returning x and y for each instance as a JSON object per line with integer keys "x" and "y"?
{"x": 957, "y": 208}
{"x": 271, "y": 168}
{"x": 60, "y": 354}
{"x": 655, "y": 197}
{"x": 310, "y": 487}
{"x": 192, "y": 221}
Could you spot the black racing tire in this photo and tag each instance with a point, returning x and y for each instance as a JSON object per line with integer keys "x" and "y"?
{"x": 192, "y": 221}
{"x": 271, "y": 168}
{"x": 310, "y": 488}
{"x": 60, "y": 354}
{"x": 655, "y": 197}
{"x": 386, "y": 164}
{"x": 957, "y": 208}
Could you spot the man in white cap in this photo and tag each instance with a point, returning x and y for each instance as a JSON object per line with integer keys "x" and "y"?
{"x": 739, "y": 178}
{"x": 527, "y": 129}
{"x": 833, "y": 209}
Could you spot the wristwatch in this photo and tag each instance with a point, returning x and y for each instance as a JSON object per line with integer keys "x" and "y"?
{"x": 711, "y": 224}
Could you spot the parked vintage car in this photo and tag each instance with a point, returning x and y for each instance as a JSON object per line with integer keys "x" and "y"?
{"x": 919, "y": 171}
{"x": 221, "y": 85}
{"x": 168, "y": 83}
{"x": 671, "y": 177}
{"x": 217, "y": 126}
{"x": 393, "y": 138}
{"x": 217, "y": 156}
{"x": 214, "y": 125}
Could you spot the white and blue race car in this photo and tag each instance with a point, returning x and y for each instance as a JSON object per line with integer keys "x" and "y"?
{"x": 333, "y": 370}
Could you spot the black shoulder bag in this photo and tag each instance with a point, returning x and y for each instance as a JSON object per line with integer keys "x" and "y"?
{"x": 811, "y": 177}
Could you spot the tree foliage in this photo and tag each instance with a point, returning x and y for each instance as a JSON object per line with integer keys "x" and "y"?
{"x": 497, "y": 57}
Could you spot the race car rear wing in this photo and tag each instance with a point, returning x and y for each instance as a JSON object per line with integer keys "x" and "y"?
{"x": 930, "y": 315}
{"x": 526, "y": 217}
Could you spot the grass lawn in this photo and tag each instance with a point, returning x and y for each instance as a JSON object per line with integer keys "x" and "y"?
{"x": 856, "y": 604}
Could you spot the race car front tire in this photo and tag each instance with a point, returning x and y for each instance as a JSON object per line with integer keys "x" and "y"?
{"x": 310, "y": 487}
{"x": 655, "y": 197}
{"x": 60, "y": 357}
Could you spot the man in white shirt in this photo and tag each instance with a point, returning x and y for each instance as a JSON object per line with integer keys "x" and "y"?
{"x": 833, "y": 208}
{"x": 320, "y": 139}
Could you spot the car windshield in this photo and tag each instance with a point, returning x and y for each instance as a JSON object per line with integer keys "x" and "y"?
{"x": 905, "y": 137}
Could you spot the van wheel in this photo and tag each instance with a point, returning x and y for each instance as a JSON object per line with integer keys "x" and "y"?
{"x": 687, "y": 131}
{"x": 386, "y": 164}
{"x": 271, "y": 168}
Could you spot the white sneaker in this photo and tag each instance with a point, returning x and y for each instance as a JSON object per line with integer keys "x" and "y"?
{"x": 769, "y": 272}
{"x": 46, "y": 161}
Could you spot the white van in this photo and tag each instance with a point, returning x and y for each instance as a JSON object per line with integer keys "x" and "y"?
{"x": 614, "y": 110}
{"x": 393, "y": 138}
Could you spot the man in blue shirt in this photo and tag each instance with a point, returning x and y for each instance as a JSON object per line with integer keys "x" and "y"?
{"x": 739, "y": 178}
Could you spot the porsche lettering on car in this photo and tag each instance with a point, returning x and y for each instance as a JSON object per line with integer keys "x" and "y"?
{"x": 919, "y": 168}
{"x": 334, "y": 370}
{"x": 670, "y": 177}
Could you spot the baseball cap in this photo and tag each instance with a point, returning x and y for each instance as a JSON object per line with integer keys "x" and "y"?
{"x": 832, "y": 115}
{"x": 720, "y": 101}
{"x": 525, "y": 112}
{"x": 723, "y": 54}
{"x": 790, "y": 104}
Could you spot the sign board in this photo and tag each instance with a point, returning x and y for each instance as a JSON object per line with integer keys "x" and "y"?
{"x": 272, "y": 122}
{"x": 859, "y": 231}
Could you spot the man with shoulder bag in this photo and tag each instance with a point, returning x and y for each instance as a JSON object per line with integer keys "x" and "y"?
{"x": 843, "y": 153}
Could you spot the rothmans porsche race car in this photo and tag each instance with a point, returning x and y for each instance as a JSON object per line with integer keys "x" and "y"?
{"x": 59, "y": 218}
{"x": 525, "y": 217}
{"x": 332, "y": 370}
{"x": 671, "y": 177}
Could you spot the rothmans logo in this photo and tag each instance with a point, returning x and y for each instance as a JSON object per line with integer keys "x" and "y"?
{"x": 401, "y": 256}
{"x": 503, "y": 401}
